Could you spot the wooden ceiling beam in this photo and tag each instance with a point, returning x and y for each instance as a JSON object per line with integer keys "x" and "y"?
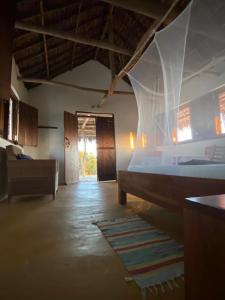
{"x": 62, "y": 48}
{"x": 57, "y": 58}
{"x": 69, "y": 7}
{"x": 64, "y": 24}
{"x": 71, "y": 37}
{"x": 69, "y": 85}
{"x": 44, "y": 39}
{"x": 102, "y": 36}
{"x": 149, "y": 34}
{"x": 111, "y": 40}
{"x": 76, "y": 30}
{"x": 40, "y": 54}
{"x": 49, "y": 40}
{"x": 51, "y": 11}
{"x": 152, "y": 9}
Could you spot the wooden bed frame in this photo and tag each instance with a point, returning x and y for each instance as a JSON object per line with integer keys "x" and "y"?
{"x": 168, "y": 191}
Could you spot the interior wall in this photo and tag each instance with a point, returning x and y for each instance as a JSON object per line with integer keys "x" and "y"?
{"x": 53, "y": 101}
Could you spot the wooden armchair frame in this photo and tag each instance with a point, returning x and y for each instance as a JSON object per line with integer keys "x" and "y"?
{"x": 26, "y": 177}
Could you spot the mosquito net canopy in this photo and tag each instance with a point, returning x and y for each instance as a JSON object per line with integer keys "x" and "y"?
{"x": 180, "y": 92}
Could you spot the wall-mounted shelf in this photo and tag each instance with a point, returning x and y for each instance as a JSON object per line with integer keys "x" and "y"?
{"x": 47, "y": 127}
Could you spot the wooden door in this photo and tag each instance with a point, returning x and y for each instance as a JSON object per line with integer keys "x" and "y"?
{"x": 106, "y": 151}
{"x": 71, "y": 148}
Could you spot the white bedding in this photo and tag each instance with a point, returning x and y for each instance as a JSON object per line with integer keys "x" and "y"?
{"x": 202, "y": 171}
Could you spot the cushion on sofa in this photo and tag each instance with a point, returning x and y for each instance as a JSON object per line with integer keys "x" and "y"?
{"x": 23, "y": 156}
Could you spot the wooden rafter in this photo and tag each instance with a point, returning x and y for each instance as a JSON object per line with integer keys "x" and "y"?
{"x": 111, "y": 40}
{"x": 152, "y": 9}
{"x": 44, "y": 39}
{"x": 51, "y": 11}
{"x": 149, "y": 34}
{"x": 102, "y": 36}
{"x": 65, "y": 24}
{"x": 58, "y": 67}
{"x": 76, "y": 30}
{"x": 58, "y": 60}
{"x": 63, "y": 84}
{"x": 60, "y": 43}
{"x": 71, "y": 37}
{"x": 27, "y": 60}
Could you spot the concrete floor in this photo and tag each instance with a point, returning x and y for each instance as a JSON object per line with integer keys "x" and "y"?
{"x": 50, "y": 250}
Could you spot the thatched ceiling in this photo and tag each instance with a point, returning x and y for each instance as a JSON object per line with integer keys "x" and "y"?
{"x": 44, "y": 56}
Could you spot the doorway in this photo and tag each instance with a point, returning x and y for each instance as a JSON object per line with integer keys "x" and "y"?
{"x": 87, "y": 148}
{"x": 96, "y": 144}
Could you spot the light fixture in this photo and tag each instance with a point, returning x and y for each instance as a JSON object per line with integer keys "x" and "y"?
{"x": 143, "y": 140}
{"x": 174, "y": 135}
{"x": 218, "y": 126}
{"x": 131, "y": 140}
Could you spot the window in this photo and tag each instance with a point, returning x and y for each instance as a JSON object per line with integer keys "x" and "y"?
{"x": 28, "y": 125}
{"x": 10, "y": 121}
{"x": 222, "y": 112}
{"x": 184, "y": 132}
{"x": 9, "y": 118}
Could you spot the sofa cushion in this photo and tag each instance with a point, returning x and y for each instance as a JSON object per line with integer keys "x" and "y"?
{"x": 23, "y": 156}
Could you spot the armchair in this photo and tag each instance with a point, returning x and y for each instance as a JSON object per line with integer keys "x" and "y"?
{"x": 26, "y": 177}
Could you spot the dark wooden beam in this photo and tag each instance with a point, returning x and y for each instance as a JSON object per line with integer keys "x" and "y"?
{"x": 111, "y": 40}
{"x": 44, "y": 38}
{"x": 152, "y": 9}
{"x": 76, "y": 30}
{"x": 71, "y": 37}
{"x": 27, "y": 61}
{"x": 59, "y": 59}
{"x": 149, "y": 34}
{"x": 50, "y": 41}
{"x": 105, "y": 27}
{"x": 69, "y": 85}
{"x": 65, "y": 23}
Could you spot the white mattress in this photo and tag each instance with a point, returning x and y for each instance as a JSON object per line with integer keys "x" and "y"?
{"x": 202, "y": 171}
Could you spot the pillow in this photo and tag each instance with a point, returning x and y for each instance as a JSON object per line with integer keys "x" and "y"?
{"x": 24, "y": 157}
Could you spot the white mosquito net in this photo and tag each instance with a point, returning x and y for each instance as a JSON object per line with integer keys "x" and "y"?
{"x": 179, "y": 84}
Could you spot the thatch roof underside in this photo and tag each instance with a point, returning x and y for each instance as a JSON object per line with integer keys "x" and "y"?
{"x": 45, "y": 57}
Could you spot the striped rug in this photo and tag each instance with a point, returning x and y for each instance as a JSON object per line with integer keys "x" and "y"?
{"x": 151, "y": 257}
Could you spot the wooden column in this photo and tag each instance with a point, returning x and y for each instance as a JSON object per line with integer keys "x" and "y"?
{"x": 7, "y": 20}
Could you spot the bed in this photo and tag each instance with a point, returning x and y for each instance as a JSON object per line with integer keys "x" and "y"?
{"x": 169, "y": 190}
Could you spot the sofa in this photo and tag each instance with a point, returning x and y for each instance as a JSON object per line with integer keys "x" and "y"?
{"x": 30, "y": 176}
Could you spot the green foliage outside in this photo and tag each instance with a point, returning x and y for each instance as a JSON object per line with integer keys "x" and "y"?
{"x": 88, "y": 164}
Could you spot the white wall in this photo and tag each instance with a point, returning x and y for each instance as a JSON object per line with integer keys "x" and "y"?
{"x": 53, "y": 101}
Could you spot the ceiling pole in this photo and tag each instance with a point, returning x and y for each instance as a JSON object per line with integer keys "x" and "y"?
{"x": 102, "y": 35}
{"x": 44, "y": 39}
{"x": 138, "y": 52}
{"x": 69, "y": 85}
{"x": 71, "y": 37}
{"x": 111, "y": 54}
{"x": 76, "y": 30}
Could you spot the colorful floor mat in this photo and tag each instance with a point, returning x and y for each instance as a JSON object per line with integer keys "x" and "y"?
{"x": 151, "y": 257}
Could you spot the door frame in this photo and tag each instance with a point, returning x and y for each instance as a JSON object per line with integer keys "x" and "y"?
{"x": 95, "y": 115}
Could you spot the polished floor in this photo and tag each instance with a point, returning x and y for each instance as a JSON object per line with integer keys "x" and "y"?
{"x": 50, "y": 250}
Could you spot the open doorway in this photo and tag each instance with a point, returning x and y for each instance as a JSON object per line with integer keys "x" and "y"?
{"x": 87, "y": 148}
{"x": 96, "y": 146}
